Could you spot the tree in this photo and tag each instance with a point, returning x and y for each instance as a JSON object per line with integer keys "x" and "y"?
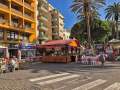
{"x": 85, "y": 8}
{"x": 100, "y": 31}
{"x": 113, "y": 13}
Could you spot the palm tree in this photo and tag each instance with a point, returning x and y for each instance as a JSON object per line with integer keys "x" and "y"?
{"x": 113, "y": 13}
{"x": 86, "y": 7}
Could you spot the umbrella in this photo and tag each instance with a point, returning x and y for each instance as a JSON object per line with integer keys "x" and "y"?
{"x": 114, "y": 41}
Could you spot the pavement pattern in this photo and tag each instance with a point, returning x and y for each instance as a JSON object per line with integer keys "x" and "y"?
{"x": 57, "y": 76}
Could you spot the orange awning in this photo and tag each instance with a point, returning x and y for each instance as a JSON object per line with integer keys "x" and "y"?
{"x": 60, "y": 43}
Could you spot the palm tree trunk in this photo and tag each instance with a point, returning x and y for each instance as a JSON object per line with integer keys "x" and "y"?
{"x": 113, "y": 26}
{"x": 87, "y": 19}
{"x": 88, "y": 29}
{"x": 117, "y": 32}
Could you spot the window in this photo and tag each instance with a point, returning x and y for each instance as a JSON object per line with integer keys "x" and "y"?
{"x": 12, "y": 35}
{"x": 16, "y": 35}
{"x": 2, "y": 52}
{"x": 1, "y": 35}
{"x": 27, "y": 25}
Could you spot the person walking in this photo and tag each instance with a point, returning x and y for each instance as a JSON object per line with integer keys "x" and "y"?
{"x": 15, "y": 63}
{"x": 102, "y": 59}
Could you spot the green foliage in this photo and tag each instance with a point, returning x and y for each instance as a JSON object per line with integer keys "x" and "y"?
{"x": 113, "y": 14}
{"x": 100, "y": 31}
{"x": 113, "y": 11}
{"x": 80, "y": 7}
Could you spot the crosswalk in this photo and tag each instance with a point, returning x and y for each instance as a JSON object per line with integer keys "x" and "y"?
{"x": 90, "y": 85}
{"x": 65, "y": 77}
{"x": 115, "y": 86}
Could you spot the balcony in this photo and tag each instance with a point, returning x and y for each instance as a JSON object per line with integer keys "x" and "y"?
{"x": 16, "y": 25}
{"x": 43, "y": 28}
{"x": 18, "y": 2}
{"x": 42, "y": 36}
{"x": 28, "y": 6}
{"x": 44, "y": 18}
{"x": 54, "y": 20}
{"x": 3, "y": 21}
{"x": 54, "y": 26}
{"x": 16, "y": 12}
{"x": 4, "y": 7}
{"x": 45, "y": 1}
{"x": 44, "y": 9}
{"x": 27, "y": 27}
{"x": 28, "y": 16}
{"x": 55, "y": 33}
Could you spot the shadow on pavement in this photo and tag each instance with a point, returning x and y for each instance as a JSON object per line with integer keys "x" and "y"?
{"x": 70, "y": 67}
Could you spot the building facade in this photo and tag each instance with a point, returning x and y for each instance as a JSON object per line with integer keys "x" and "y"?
{"x": 17, "y": 21}
{"x": 66, "y": 34}
{"x": 44, "y": 21}
{"x": 57, "y": 21}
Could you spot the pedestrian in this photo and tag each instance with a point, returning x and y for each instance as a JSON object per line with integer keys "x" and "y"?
{"x": 3, "y": 66}
{"x": 102, "y": 59}
{"x": 76, "y": 58}
{"x": 15, "y": 63}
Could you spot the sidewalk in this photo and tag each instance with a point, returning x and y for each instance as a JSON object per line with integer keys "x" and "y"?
{"x": 16, "y": 81}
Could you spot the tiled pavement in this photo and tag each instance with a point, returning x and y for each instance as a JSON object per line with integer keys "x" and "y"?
{"x": 16, "y": 81}
{"x": 19, "y": 80}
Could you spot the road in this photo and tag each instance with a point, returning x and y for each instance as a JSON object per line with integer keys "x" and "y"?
{"x": 58, "y": 76}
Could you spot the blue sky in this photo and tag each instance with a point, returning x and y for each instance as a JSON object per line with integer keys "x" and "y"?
{"x": 70, "y": 19}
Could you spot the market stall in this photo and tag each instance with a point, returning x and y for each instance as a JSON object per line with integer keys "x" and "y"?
{"x": 59, "y": 50}
{"x": 115, "y": 43}
{"x": 116, "y": 48}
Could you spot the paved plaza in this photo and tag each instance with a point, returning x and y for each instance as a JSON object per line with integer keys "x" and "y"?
{"x": 56, "y": 76}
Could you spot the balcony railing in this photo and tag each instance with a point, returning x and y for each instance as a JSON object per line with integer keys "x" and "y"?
{"x": 43, "y": 18}
{"x": 54, "y": 20}
{"x": 29, "y": 17}
{"x": 13, "y": 24}
{"x": 55, "y": 33}
{"x": 3, "y": 21}
{"x": 54, "y": 26}
{"x": 45, "y": 1}
{"x": 43, "y": 28}
{"x": 20, "y": 1}
{"x": 16, "y": 12}
{"x": 42, "y": 36}
{"x": 16, "y": 25}
{"x": 27, "y": 28}
{"x": 4, "y": 6}
{"x": 44, "y": 9}
{"x": 28, "y": 6}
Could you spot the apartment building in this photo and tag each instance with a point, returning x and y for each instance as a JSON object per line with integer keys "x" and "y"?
{"x": 17, "y": 21}
{"x": 44, "y": 21}
{"x": 66, "y": 34}
{"x": 57, "y": 24}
